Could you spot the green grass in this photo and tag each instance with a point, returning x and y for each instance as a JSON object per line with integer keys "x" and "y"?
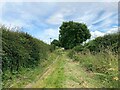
{"x": 104, "y": 66}
{"x": 55, "y": 80}
{"x": 26, "y": 76}
{"x": 92, "y": 71}
{"x": 55, "y": 76}
{"x": 74, "y": 79}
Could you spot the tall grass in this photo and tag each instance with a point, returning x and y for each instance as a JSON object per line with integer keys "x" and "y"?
{"x": 104, "y": 65}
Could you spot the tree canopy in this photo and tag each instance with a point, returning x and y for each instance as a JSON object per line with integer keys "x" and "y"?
{"x": 73, "y": 34}
{"x": 55, "y": 42}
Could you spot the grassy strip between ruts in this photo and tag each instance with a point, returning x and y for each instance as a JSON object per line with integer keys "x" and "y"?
{"x": 55, "y": 76}
{"x": 56, "y": 79}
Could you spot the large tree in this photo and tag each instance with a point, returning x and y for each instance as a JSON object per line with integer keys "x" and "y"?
{"x": 73, "y": 34}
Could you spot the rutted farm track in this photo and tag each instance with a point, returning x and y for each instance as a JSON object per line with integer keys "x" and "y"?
{"x": 46, "y": 73}
{"x": 64, "y": 73}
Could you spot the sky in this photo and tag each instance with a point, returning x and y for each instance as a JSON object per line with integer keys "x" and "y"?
{"x": 43, "y": 19}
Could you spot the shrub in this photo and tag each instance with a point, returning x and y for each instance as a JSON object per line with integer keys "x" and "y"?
{"x": 71, "y": 53}
{"x": 78, "y": 48}
{"x": 109, "y": 42}
{"x": 21, "y": 50}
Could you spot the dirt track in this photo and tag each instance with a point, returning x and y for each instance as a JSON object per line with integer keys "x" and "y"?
{"x": 44, "y": 75}
{"x": 67, "y": 75}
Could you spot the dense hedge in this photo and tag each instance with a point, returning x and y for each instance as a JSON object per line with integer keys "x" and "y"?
{"x": 21, "y": 50}
{"x": 109, "y": 41}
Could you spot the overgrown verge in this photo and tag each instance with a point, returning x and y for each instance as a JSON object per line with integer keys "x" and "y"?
{"x": 29, "y": 75}
{"x": 20, "y": 54}
{"x": 99, "y": 57}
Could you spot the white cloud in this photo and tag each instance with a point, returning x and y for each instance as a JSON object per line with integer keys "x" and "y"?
{"x": 113, "y": 30}
{"x": 47, "y": 34}
{"x": 25, "y": 12}
{"x": 63, "y": 11}
{"x": 56, "y": 19}
{"x": 106, "y": 13}
{"x": 106, "y": 16}
{"x": 51, "y": 32}
{"x": 95, "y": 34}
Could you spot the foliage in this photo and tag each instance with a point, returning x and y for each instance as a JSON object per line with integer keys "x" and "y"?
{"x": 55, "y": 42}
{"x": 73, "y": 34}
{"x": 100, "y": 57}
{"x": 52, "y": 47}
{"x": 27, "y": 75}
{"x": 103, "y": 65}
{"x": 109, "y": 41}
{"x": 21, "y": 50}
{"x": 78, "y": 48}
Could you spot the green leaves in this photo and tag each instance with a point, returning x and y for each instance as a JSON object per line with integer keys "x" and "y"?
{"x": 73, "y": 34}
{"x": 55, "y": 42}
{"x": 109, "y": 41}
{"x": 21, "y": 50}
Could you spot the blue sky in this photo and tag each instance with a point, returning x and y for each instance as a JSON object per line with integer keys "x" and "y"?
{"x": 43, "y": 19}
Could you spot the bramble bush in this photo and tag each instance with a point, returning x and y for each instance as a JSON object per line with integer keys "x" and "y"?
{"x": 21, "y": 50}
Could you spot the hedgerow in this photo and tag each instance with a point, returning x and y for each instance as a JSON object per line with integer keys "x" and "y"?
{"x": 21, "y": 50}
